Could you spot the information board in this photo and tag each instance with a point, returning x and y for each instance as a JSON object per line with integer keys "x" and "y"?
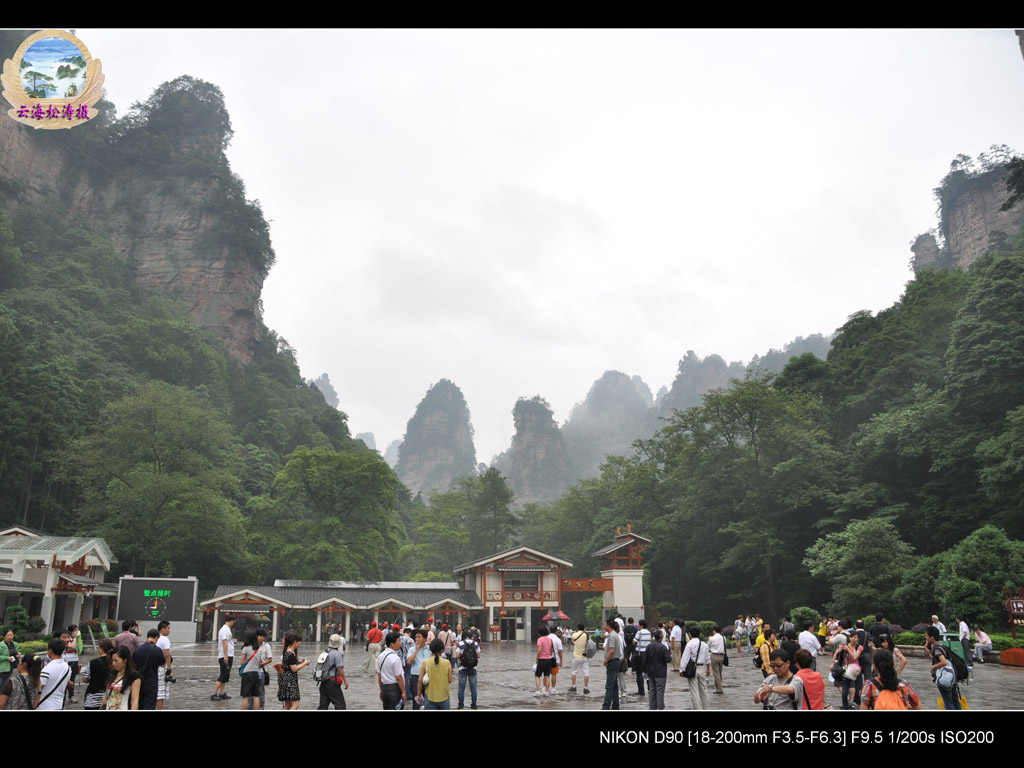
{"x": 156, "y": 599}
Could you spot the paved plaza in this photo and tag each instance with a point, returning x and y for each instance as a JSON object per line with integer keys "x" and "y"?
{"x": 506, "y": 683}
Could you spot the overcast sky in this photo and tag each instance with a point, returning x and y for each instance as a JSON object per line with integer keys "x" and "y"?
{"x": 519, "y": 211}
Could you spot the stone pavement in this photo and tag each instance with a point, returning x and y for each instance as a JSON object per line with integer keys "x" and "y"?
{"x": 505, "y": 681}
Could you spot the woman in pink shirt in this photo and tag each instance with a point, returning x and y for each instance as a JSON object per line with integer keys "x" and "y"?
{"x": 545, "y": 661}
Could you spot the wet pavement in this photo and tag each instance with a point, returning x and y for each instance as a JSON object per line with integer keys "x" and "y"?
{"x": 505, "y": 681}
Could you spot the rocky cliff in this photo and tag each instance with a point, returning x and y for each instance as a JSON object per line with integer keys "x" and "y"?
{"x": 615, "y": 413}
{"x": 438, "y": 443}
{"x": 972, "y": 222}
{"x": 168, "y": 213}
{"x": 536, "y": 464}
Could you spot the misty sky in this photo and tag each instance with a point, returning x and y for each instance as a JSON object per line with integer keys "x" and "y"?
{"x": 519, "y": 211}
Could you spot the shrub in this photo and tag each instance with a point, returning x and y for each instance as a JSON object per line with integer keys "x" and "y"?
{"x": 911, "y": 638}
{"x": 802, "y": 614}
{"x": 34, "y": 646}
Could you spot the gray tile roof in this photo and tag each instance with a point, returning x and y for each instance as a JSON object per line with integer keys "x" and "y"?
{"x": 361, "y": 597}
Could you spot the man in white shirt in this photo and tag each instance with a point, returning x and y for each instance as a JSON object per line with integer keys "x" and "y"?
{"x": 938, "y": 624}
{"x": 54, "y": 678}
{"x": 965, "y": 639}
{"x": 809, "y": 642}
{"x": 390, "y": 675}
{"x": 716, "y": 647}
{"x": 697, "y": 650}
{"x": 163, "y": 685}
{"x": 641, "y": 641}
{"x": 675, "y": 642}
{"x": 225, "y": 657}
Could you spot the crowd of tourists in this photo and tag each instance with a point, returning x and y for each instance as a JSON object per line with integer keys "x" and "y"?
{"x": 416, "y": 665}
{"x": 127, "y": 673}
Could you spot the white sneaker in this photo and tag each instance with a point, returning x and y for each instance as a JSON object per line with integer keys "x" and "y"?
{"x": 553, "y": 692}
{"x": 536, "y": 694}
{"x": 545, "y": 693}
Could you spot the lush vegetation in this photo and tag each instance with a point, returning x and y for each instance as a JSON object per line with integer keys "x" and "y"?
{"x": 889, "y": 476}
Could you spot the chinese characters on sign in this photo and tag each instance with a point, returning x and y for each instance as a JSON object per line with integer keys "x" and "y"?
{"x": 52, "y": 111}
{"x": 156, "y": 592}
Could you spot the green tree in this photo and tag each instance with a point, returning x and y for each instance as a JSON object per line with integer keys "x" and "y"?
{"x": 863, "y": 564}
{"x": 156, "y": 487}
{"x": 331, "y": 515}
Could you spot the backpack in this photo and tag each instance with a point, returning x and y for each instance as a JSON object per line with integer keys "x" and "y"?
{"x": 958, "y": 664}
{"x": 320, "y": 669}
{"x": 886, "y": 699}
{"x": 757, "y": 658}
{"x": 469, "y": 658}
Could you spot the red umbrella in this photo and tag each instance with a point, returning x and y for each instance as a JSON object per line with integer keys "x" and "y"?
{"x": 554, "y": 616}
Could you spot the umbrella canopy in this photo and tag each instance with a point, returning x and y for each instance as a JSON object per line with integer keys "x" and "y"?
{"x": 554, "y": 616}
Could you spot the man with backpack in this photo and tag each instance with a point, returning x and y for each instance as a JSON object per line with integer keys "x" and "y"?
{"x": 329, "y": 674}
{"x": 468, "y": 653}
{"x": 944, "y": 670}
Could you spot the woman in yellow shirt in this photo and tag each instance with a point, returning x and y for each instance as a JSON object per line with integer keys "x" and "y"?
{"x": 438, "y": 672}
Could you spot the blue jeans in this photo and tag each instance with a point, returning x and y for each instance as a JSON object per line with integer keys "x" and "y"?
{"x": 446, "y": 704}
{"x": 950, "y": 697}
{"x": 856, "y": 685}
{"x": 464, "y": 675}
{"x": 611, "y": 684}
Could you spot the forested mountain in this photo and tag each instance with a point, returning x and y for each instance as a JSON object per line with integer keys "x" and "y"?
{"x": 438, "y": 444}
{"x": 889, "y": 476}
{"x": 143, "y": 399}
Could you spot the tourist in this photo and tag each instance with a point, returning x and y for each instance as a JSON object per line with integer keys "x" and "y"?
{"x": 580, "y": 661}
{"x": 163, "y": 688}
{"x": 54, "y": 677}
{"x": 291, "y": 665}
{"x": 419, "y": 654}
{"x": 373, "y": 641}
{"x": 846, "y": 668}
{"x": 782, "y": 689}
{"x": 943, "y": 671}
{"x": 124, "y": 683}
{"x": 717, "y": 649}
{"x": 23, "y": 685}
{"x": 657, "y": 662}
{"x": 468, "y": 652}
{"x": 675, "y": 641}
{"x": 333, "y": 683}
{"x": 695, "y": 656}
{"x": 886, "y": 690}
{"x": 641, "y": 640}
{"x": 612, "y": 663}
{"x": 556, "y": 661}
{"x": 739, "y": 633}
{"x": 765, "y": 648}
{"x": 809, "y": 642}
{"x": 965, "y": 637}
{"x": 545, "y": 660}
{"x": 788, "y": 643}
{"x": 254, "y": 651}
{"x": 225, "y": 657}
{"x": 97, "y": 673}
{"x": 813, "y": 684}
{"x": 938, "y": 624}
{"x": 129, "y": 635}
{"x": 390, "y": 676}
{"x": 899, "y": 660}
{"x": 436, "y": 679}
{"x": 982, "y": 643}
{"x": 72, "y": 654}
{"x": 148, "y": 660}
{"x": 9, "y": 653}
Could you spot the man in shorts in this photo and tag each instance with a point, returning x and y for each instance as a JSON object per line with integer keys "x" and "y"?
{"x": 163, "y": 687}
{"x": 225, "y": 657}
{"x": 580, "y": 662}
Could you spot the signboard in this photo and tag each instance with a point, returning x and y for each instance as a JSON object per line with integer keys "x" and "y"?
{"x": 161, "y": 599}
